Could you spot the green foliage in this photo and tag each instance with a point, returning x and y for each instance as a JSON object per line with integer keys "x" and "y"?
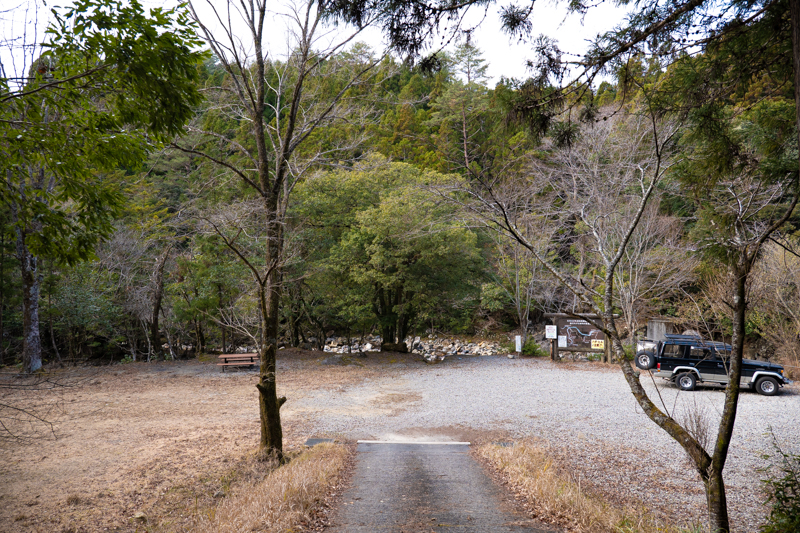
{"x": 532, "y": 348}
{"x": 493, "y": 297}
{"x": 783, "y": 489}
{"x": 468, "y": 61}
{"x": 111, "y": 76}
{"x": 629, "y": 352}
{"x": 145, "y": 63}
{"x": 384, "y": 248}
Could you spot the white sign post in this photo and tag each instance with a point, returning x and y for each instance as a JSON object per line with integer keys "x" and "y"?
{"x": 518, "y": 341}
{"x": 551, "y": 332}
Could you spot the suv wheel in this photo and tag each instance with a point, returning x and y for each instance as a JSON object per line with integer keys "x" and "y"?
{"x": 645, "y": 360}
{"x": 686, "y": 381}
{"x": 767, "y": 386}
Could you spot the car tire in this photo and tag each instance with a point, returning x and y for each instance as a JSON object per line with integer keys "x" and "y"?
{"x": 686, "y": 381}
{"x": 645, "y": 360}
{"x": 767, "y": 386}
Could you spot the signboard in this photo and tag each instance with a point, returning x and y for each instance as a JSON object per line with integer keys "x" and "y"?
{"x": 579, "y": 335}
{"x": 518, "y": 340}
{"x": 550, "y": 332}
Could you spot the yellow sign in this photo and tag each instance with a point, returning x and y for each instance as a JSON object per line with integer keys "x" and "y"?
{"x": 598, "y": 344}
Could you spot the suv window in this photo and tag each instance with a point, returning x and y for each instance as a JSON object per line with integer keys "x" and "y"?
{"x": 672, "y": 350}
{"x": 697, "y": 352}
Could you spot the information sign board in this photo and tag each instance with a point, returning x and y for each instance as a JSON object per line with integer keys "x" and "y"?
{"x": 579, "y": 335}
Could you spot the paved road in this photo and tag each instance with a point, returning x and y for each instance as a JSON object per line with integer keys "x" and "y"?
{"x": 416, "y": 488}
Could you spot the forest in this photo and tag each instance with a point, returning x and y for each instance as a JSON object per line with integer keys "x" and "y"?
{"x": 172, "y": 190}
{"x": 390, "y": 211}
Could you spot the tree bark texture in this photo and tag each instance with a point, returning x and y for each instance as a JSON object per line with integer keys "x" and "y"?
{"x": 158, "y": 296}
{"x": 270, "y": 295}
{"x": 268, "y": 401}
{"x": 2, "y": 294}
{"x": 31, "y": 289}
{"x": 199, "y": 337}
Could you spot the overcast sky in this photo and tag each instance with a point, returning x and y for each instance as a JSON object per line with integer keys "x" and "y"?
{"x": 505, "y": 56}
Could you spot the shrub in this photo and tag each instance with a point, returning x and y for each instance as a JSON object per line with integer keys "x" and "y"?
{"x": 783, "y": 491}
{"x": 533, "y": 349}
{"x": 530, "y": 348}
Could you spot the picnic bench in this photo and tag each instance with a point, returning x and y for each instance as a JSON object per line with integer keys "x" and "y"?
{"x": 238, "y": 359}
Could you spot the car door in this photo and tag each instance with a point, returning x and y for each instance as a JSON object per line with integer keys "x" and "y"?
{"x": 672, "y": 357}
{"x": 712, "y": 367}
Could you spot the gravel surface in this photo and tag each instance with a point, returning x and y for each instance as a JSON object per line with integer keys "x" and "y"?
{"x": 586, "y": 412}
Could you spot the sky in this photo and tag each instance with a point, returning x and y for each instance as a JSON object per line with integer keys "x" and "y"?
{"x": 504, "y": 56}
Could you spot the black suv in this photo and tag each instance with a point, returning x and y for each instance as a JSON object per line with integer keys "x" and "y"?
{"x": 688, "y": 359}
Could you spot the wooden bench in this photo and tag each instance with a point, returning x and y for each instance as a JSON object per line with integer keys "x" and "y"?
{"x": 238, "y": 359}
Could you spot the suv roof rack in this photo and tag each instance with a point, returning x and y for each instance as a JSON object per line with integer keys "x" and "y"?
{"x": 694, "y": 340}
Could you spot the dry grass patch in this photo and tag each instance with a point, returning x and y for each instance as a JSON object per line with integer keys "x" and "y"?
{"x": 552, "y": 496}
{"x": 290, "y": 496}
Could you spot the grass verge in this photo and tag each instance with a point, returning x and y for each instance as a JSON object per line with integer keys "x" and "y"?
{"x": 554, "y": 498}
{"x": 287, "y": 499}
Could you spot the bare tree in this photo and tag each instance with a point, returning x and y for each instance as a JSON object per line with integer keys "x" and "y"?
{"x": 276, "y": 101}
{"x": 138, "y": 255}
{"x": 523, "y": 279}
{"x": 608, "y": 157}
{"x": 749, "y": 210}
{"x": 657, "y": 263}
{"x": 599, "y": 209}
{"x": 776, "y": 297}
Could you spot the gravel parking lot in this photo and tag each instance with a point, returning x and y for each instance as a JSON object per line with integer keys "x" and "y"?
{"x": 162, "y": 438}
{"x": 584, "y": 411}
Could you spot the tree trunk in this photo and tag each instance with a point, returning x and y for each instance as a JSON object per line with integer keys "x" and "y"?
{"x": 133, "y": 338}
{"x": 31, "y": 288}
{"x": 717, "y": 503}
{"x": 147, "y": 337}
{"x": 200, "y": 338}
{"x": 2, "y": 293}
{"x": 269, "y": 299}
{"x": 794, "y": 15}
{"x": 221, "y": 327}
{"x": 269, "y": 403}
{"x": 50, "y": 320}
{"x": 715, "y": 486}
{"x": 387, "y": 331}
{"x": 155, "y": 338}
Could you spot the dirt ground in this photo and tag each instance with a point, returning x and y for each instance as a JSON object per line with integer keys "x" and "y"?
{"x": 146, "y": 447}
